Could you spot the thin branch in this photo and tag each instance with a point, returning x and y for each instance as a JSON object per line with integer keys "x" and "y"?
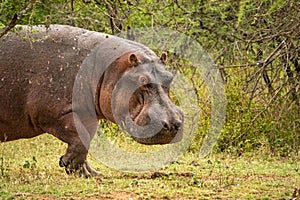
{"x": 260, "y": 113}
{"x": 113, "y": 17}
{"x": 72, "y": 5}
{"x": 17, "y": 18}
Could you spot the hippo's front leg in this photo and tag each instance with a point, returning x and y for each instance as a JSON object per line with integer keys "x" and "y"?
{"x": 75, "y": 162}
{"x": 75, "y": 159}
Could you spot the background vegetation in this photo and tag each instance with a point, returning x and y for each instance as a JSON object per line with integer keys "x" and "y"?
{"x": 254, "y": 43}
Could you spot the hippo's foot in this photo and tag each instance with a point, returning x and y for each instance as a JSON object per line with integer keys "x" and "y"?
{"x": 83, "y": 169}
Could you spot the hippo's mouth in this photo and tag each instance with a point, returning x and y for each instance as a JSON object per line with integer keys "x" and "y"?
{"x": 136, "y": 112}
{"x": 163, "y": 137}
{"x": 147, "y": 131}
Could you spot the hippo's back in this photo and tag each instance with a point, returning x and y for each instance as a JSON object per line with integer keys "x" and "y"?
{"x": 37, "y": 71}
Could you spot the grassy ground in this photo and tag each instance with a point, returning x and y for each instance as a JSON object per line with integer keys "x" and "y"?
{"x": 29, "y": 170}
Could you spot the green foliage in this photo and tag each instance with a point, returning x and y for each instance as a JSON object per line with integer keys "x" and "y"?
{"x": 241, "y": 12}
{"x": 276, "y": 6}
{"x": 27, "y": 164}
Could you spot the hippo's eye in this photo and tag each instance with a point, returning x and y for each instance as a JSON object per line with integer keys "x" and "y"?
{"x": 143, "y": 80}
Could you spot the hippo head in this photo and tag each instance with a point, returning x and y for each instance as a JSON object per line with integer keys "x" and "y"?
{"x": 140, "y": 101}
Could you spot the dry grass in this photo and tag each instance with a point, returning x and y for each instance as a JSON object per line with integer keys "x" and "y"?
{"x": 29, "y": 170}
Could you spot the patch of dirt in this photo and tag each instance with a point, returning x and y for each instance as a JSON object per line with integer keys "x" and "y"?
{"x": 118, "y": 195}
{"x": 115, "y": 195}
{"x": 155, "y": 175}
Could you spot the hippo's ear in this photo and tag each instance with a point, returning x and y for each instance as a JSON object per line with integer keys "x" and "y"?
{"x": 133, "y": 60}
{"x": 163, "y": 57}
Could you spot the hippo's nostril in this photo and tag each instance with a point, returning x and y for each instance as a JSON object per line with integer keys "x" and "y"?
{"x": 176, "y": 125}
{"x": 165, "y": 125}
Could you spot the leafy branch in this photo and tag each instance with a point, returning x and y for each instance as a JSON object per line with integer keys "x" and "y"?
{"x": 17, "y": 18}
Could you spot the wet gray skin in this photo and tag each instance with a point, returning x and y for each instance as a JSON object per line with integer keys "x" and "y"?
{"x": 64, "y": 79}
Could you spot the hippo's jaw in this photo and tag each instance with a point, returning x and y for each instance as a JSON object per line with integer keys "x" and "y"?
{"x": 163, "y": 137}
{"x": 167, "y": 134}
{"x": 155, "y": 132}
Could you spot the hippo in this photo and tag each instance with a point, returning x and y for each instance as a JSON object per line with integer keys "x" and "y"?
{"x": 62, "y": 80}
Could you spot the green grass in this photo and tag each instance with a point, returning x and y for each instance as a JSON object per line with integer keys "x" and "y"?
{"x": 29, "y": 170}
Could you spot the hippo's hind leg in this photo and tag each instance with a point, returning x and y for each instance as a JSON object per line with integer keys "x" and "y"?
{"x": 74, "y": 160}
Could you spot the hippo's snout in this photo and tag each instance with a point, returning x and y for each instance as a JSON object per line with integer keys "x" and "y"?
{"x": 173, "y": 125}
{"x": 164, "y": 125}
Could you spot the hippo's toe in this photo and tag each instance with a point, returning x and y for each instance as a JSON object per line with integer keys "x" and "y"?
{"x": 84, "y": 169}
{"x": 88, "y": 171}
